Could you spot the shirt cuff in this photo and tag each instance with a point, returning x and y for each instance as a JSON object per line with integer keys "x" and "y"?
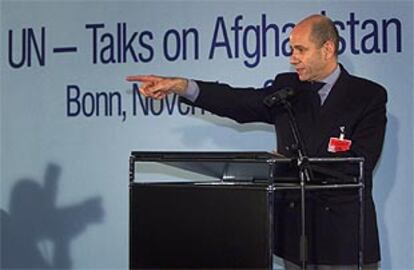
{"x": 192, "y": 91}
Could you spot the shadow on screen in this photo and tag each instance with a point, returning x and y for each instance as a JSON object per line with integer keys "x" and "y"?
{"x": 36, "y": 233}
{"x": 384, "y": 181}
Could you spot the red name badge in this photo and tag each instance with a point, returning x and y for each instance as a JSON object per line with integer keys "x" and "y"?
{"x": 339, "y": 145}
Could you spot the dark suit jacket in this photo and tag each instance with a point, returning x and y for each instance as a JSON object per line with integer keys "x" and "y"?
{"x": 359, "y": 106}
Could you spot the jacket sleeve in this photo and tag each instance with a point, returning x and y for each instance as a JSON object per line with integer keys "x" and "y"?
{"x": 243, "y": 105}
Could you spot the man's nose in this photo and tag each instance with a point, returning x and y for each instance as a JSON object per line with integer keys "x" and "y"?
{"x": 293, "y": 60}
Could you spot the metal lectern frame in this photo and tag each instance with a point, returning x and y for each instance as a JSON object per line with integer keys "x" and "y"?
{"x": 255, "y": 167}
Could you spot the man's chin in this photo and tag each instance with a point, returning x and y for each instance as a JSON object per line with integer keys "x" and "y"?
{"x": 302, "y": 78}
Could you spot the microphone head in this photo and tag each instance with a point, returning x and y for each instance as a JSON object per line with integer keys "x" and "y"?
{"x": 279, "y": 97}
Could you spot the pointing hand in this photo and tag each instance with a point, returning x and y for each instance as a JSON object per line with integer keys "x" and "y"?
{"x": 159, "y": 87}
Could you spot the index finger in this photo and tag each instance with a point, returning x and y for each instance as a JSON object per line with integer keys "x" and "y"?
{"x": 143, "y": 78}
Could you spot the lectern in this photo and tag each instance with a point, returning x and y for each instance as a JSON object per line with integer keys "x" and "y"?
{"x": 221, "y": 216}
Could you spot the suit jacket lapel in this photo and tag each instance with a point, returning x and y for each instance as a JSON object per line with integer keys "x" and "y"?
{"x": 306, "y": 114}
{"x": 331, "y": 115}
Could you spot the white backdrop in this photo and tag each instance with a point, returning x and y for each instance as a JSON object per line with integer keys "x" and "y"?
{"x": 69, "y": 121}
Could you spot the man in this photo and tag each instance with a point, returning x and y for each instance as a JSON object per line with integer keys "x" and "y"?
{"x": 347, "y": 107}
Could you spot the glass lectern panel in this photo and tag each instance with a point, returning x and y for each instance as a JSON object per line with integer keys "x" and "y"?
{"x": 209, "y": 166}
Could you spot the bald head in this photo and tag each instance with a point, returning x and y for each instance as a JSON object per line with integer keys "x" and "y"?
{"x": 321, "y": 29}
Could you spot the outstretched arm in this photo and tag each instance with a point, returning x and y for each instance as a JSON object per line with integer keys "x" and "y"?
{"x": 159, "y": 87}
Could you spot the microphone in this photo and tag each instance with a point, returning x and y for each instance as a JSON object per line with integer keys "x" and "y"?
{"x": 278, "y": 97}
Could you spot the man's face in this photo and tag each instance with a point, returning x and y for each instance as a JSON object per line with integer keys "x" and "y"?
{"x": 308, "y": 58}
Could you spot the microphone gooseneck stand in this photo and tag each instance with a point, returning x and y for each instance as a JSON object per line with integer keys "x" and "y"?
{"x": 304, "y": 176}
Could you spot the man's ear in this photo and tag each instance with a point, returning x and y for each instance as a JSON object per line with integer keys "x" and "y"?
{"x": 329, "y": 49}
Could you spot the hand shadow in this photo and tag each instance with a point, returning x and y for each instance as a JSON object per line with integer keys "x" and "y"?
{"x": 36, "y": 233}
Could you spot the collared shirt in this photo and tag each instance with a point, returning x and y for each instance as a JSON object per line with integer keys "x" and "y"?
{"x": 193, "y": 90}
{"x": 329, "y": 83}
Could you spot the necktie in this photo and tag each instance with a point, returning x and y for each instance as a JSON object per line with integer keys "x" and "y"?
{"x": 315, "y": 97}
